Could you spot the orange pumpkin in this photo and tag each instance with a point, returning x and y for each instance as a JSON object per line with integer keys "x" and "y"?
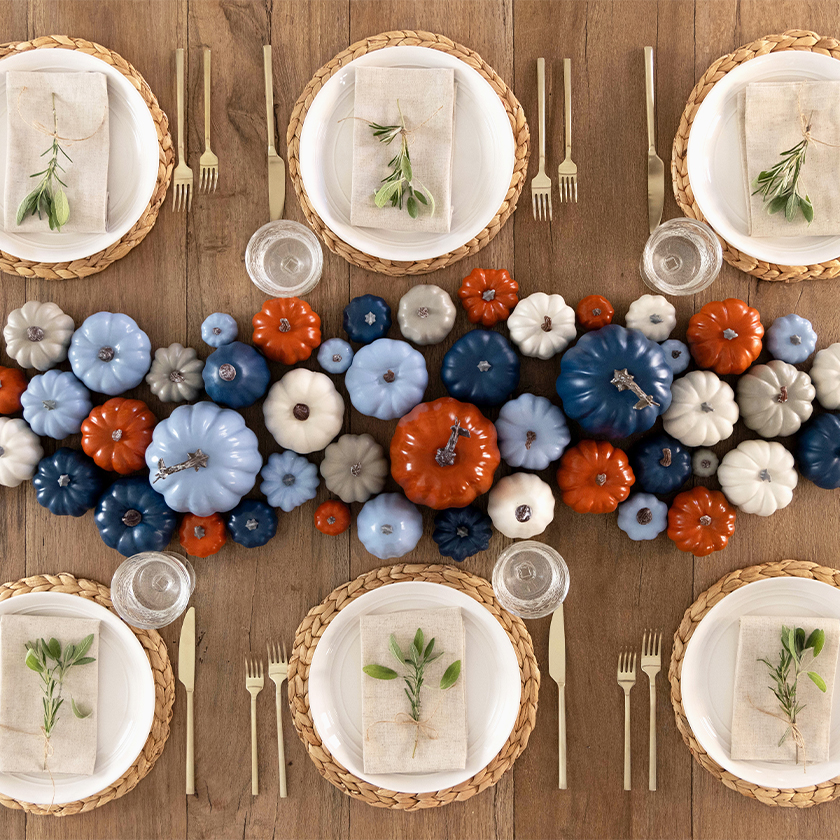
{"x": 594, "y": 312}
{"x": 594, "y": 477}
{"x": 202, "y": 536}
{"x": 12, "y": 384}
{"x": 488, "y": 295}
{"x": 701, "y": 521}
{"x": 725, "y": 335}
{"x": 287, "y": 330}
{"x": 117, "y": 434}
{"x": 444, "y": 454}
{"x": 332, "y": 517}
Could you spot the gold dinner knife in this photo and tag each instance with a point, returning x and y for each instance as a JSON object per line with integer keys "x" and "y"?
{"x": 276, "y": 167}
{"x": 656, "y": 169}
{"x": 557, "y": 672}
{"x": 186, "y": 674}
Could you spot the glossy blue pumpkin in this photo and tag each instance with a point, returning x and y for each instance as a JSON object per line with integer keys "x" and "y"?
{"x": 791, "y": 338}
{"x": 818, "y": 451}
{"x": 532, "y": 432}
{"x": 219, "y": 329}
{"x": 131, "y": 517}
{"x": 660, "y": 464}
{"x": 677, "y": 355}
{"x": 289, "y": 480}
{"x": 55, "y": 403}
{"x": 335, "y": 355}
{"x": 643, "y": 517}
{"x": 236, "y": 375}
{"x": 462, "y": 532}
{"x": 626, "y": 406}
{"x": 389, "y": 525}
{"x": 481, "y": 367}
{"x": 366, "y": 318}
{"x": 67, "y": 483}
{"x": 252, "y": 523}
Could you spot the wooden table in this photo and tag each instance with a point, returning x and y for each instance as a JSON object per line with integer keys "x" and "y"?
{"x": 193, "y": 264}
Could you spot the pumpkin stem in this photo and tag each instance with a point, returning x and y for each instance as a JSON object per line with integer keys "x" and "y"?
{"x": 783, "y": 394}
{"x": 705, "y": 519}
{"x": 131, "y": 518}
{"x": 665, "y": 460}
{"x": 176, "y": 376}
{"x": 601, "y": 479}
{"x": 301, "y": 411}
{"x": 227, "y": 372}
{"x": 423, "y": 312}
{"x": 284, "y": 326}
{"x": 389, "y": 376}
{"x": 795, "y": 339}
{"x": 199, "y": 532}
{"x": 546, "y": 324}
{"x": 644, "y": 516}
{"x": 252, "y": 524}
{"x": 64, "y": 480}
{"x": 729, "y": 334}
{"x": 116, "y": 435}
{"x": 195, "y": 461}
{"x": 445, "y": 457}
{"x": 488, "y": 294}
{"x": 105, "y": 354}
{"x": 34, "y": 333}
{"x": 530, "y": 437}
{"x": 50, "y": 405}
{"x": 522, "y": 513}
{"x": 624, "y": 381}
{"x": 462, "y": 531}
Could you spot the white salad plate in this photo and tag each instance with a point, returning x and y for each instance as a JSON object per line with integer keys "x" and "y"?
{"x": 125, "y": 703}
{"x": 493, "y": 684}
{"x": 483, "y": 157}
{"x": 132, "y": 161}
{"x": 708, "y": 676}
{"x": 715, "y": 167}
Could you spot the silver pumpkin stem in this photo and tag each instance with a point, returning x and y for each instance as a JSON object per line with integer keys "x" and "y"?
{"x": 446, "y": 457}
{"x": 195, "y": 461}
{"x": 624, "y": 381}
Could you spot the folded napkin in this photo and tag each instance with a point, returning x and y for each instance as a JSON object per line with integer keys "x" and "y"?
{"x": 81, "y": 105}
{"x": 427, "y": 101}
{"x": 770, "y": 117}
{"x": 388, "y": 737}
{"x": 755, "y": 732}
{"x": 73, "y": 741}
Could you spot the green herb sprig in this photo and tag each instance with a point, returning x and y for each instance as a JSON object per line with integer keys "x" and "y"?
{"x": 779, "y": 186}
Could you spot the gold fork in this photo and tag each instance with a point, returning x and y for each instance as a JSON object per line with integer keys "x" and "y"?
{"x": 541, "y": 184}
{"x": 278, "y": 667}
{"x": 567, "y": 171}
{"x": 254, "y": 682}
{"x": 627, "y": 679}
{"x": 209, "y": 163}
{"x": 651, "y": 665}
{"x": 183, "y": 178}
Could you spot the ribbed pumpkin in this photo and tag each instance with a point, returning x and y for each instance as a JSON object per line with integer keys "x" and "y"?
{"x": 594, "y": 477}
{"x": 287, "y": 330}
{"x": 725, "y": 335}
{"x": 117, "y": 434}
{"x": 202, "y": 536}
{"x": 701, "y": 521}
{"x": 332, "y": 517}
{"x": 12, "y": 384}
{"x": 488, "y": 295}
{"x": 594, "y": 312}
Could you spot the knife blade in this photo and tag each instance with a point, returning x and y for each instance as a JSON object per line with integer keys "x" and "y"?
{"x": 656, "y": 168}
{"x": 276, "y": 165}
{"x": 186, "y": 675}
{"x": 557, "y": 672}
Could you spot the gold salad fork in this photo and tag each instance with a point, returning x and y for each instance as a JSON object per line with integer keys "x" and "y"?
{"x": 567, "y": 171}
{"x": 627, "y": 679}
{"x": 541, "y": 184}
{"x": 254, "y": 682}
{"x": 651, "y": 665}
{"x": 278, "y": 667}
{"x": 209, "y": 163}
{"x": 182, "y": 183}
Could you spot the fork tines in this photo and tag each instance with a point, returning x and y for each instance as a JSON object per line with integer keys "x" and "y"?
{"x": 627, "y": 663}
{"x": 209, "y": 178}
{"x": 274, "y": 654}
{"x": 651, "y": 643}
{"x": 541, "y": 201}
{"x": 182, "y": 196}
{"x": 253, "y": 668}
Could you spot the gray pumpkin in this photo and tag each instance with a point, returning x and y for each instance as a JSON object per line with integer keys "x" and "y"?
{"x": 175, "y": 375}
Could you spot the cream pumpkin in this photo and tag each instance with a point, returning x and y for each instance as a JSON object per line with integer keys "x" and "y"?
{"x": 703, "y": 410}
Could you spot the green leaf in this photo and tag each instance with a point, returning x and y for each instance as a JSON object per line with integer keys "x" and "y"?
{"x": 32, "y": 662}
{"x": 406, "y": 168}
{"x": 429, "y": 648}
{"x": 450, "y": 675}
{"x": 61, "y": 208}
{"x": 807, "y": 209}
{"x": 420, "y": 197}
{"x": 776, "y": 204}
{"x": 27, "y": 206}
{"x": 418, "y": 642}
{"x": 784, "y": 737}
{"x": 77, "y": 711}
{"x": 817, "y": 680}
{"x": 386, "y": 193}
{"x": 85, "y": 660}
{"x": 800, "y": 640}
{"x": 395, "y": 650}
{"x": 816, "y": 641}
{"x": 380, "y": 672}
{"x": 411, "y": 206}
{"x": 791, "y": 207}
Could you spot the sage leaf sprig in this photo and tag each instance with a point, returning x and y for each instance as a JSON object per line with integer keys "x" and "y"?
{"x": 779, "y": 186}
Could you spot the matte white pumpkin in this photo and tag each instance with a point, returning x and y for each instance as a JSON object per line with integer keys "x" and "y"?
{"x": 825, "y": 374}
{"x": 521, "y": 505}
{"x": 775, "y": 399}
{"x": 38, "y": 335}
{"x": 703, "y": 410}
{"x": 354, "y": 468}
{"x": 175, "y": 375}
{"x": 20, "y": 452}
{"x": 758, "y": 476}
{"x": 426, "y": 314}
{"x": 542, "y": 325}
{"x": 652, "y": 315}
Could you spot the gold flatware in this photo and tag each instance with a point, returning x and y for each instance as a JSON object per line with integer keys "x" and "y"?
{"x": 651, "y": 665}
{"x": 627, "y": 679}
{"x": 182, "y": 178}
{"x": 209, "y": 163}
{"x": 557, "y": 672}
{"x": 254, "y": 682}
{"x": 276, "y": 166}
{"x": 567, "y": 171}
{"x": 656, "y": 169}
{"x": 541, "y": 184}
{"x": 186, "y": 675}
{"x": 278, "y": 667}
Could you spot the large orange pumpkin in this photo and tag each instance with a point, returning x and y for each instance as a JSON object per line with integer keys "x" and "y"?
{"x": 12, "y": 385}
{"x": 444, "y": 454}
{"x": 725, "y": 335}
{"x": 117, "y": 434}
{"x": 594, "y": 477}
{"x": 287, "y": 330}
{"x": 701, "y": 521}
{"x": 202, "y": 536}
{"x": 488, "y": 295}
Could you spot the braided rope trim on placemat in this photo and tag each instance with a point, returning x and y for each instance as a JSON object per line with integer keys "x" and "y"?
{"x": 794, "y": 39}
{"x": 312, "y": 628}
{"x": 803, "y": 797}
{"x": 518, "y": 124}
{"x": 158, "y": 656}
{"x": 101, "y": 259}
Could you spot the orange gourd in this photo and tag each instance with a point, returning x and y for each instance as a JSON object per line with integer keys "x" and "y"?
{"x": 287, "y": 330}
{"x": 332, "y": 517}
{"x": 725, "y": 335}
{"x": 117, "y": 434}
{"x": 701, "y": 521}
{"x": 488, "y": 295}
{"x": 202, "y": 536}
{"x": 594, "y": 312}
{"x": 594, "y": 477}
{"x": 12, "y": 384}
{"x": 444, "y": 454}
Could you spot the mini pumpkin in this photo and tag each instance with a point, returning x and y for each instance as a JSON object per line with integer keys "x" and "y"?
{"x": 20, "y": 452}
{"x": 818, "y": 451}
{"x": 725, "y": 335}
{"x": 389, "y": 526}
{"x": 218, "y": 329}
{"x": 594, "y": 477}
{"x": 660, "y": 464}
{"x": 481, "y": 367}
{"x": 704, "y": 463}
{"x": 12, "y": 384}
{"x": 594, "y": 312}
{"x": 289, "y": 480}
{"x": 366, "y": 318}
{"x": 235, "y": 375}
{"x": 354, "y": 468}
{"x": 335, "y": 355}
{"x": 703, "y": 409}
{"x": 521, "y": 505}
{"x": 792, "y": 339}
{"x": 426, "y": 314}
{"x": 542, "y": 325}
{"x": 825, "y": 374}
{"x": 175, "y": 375}
{"x": 677, "y": 355}
{"x": 642, "y": 517}
{"x": 701, "y": 521}
{"x": 287, "y": 330}
{"x": 55, "y": 403}
{"x": 38, "y": 335}
{"x": 532, "y": 432}
{"x": 488, "y": 295}
{"x": 67, "y": 483}
{"x": 462, "y": 532}
{"x": 652, "y": 315}
{"x": 775, "y": 399}
{"x": 252, "y": 523}
{"x": 332, "y": 517}
{"x": 117, "y": 434}
{"x": 202, "y": 536}
{"x": 758, "y": 476}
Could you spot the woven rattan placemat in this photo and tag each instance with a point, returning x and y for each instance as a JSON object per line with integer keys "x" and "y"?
{"x": 518, "y": 125}
{"x": 312, "y": 628}
{"x": 102, "y": 259}
{"x": 158, "y": 656}
{"x": 803, "y": 797}
{"x": 794, "y": 39}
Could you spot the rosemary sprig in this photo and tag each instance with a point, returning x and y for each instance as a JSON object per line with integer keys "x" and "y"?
{"x": 779, "y": 186}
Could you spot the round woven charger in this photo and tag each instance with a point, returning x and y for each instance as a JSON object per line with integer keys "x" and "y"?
{"x": 518, "y": 124}
{"x": 101, "y": 259}
{"x": 158, "y": 656}
{"x": 803, "y": 797}
{"x": 794, "y": 39}
{"x": 312, "y": 628}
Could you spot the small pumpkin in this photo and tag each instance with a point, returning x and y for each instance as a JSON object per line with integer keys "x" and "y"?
{"x": 792, "y": 339}
{"x": 462, "y": 532}
{"x": 704, "y": 463}
{"x": 642, "y": 517}
{"x": 252, "y": 523}
{"x": 660, "y": 464}
{"x": 218, "y": 329}
{"x": 38, "y": 335}
{"x": 366, "y": 318}
{"x": 594, "y": 312}
{"x": 652, "y": 315}
{"x": 332, "y": 517}
{"x": 67, "y": 483}
{"x": 289, "y": 480}
{"x": 426, "y": 314}
{"x": 55, "y": 403}
{"x": 521, "y": 505}
{"x": 703, "y": 409}
{"x": 677, "y": 355}
{"x": 287, "y": 330}
{"x": 542, "y": 325}
{"x": 389, "y": 526}
{"x": 775, "y": 399}
{"x": 481, "y": 367}
{"x": 818, "y": 451}
{"x": 488, "y": 295}
{"x": 175, "y": 375}
{"x": 117, "y": 434}
{"x": 725, "y": 335}
{"x": 235, "y": 375}
{"x": 701, "y": 521}
{"x": 758, "y": 476}
{"x": 354, "y": 468}
{"x": 594, "y": 477}
{"x": 20, "y": 452}
{"x": 825, "y": 374}
{"x": 532, "y": 432}
{"x": 335, "y": 355}
{"x": 202, "y": 536}
{"x": 12, "y": 384}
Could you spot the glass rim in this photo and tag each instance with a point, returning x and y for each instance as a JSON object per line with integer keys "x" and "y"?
{"x": 518, "y": 606}
{"x": 287, "y": 229}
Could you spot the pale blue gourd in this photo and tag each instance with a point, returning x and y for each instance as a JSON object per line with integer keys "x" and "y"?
{"x": 289, "y": 480}
{"x": 532, "y": 432}
{"x": 219, "y": 329}
{"x": 643, "y": 517}
{"x": 335, "y": 355}
{"x": 55, "y": 403}
{"x": 677, "y": 355}
{"x": 791, "y": 338}
{"x": 389, "y": 526}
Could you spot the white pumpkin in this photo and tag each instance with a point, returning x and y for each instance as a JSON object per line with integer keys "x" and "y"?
{"x": 354, "y": 468}
{"x": 775, "y": 399}
{"x": 20, "y": 452}
{"x": 542, "y": 325}
{"x": 703, "y": 410}
{"x": 426, "y": 314}
{"x": 825, "y": 373}
{"x": 521, "y": 505}
{"x": 303, "y": 411}
{"x": 704, "y": 463}
{"x": 652, "y": 315}
{"x": 175, "y": 374}
{"x": 38, "y": 335}
{"x": 758, "y": 476}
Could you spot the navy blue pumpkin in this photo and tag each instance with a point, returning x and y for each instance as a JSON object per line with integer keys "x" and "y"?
{"x": 462, "y": 532}
{"x": 481, "y": 367}
{"x": 252, "y": 523}
{"x": 818, "y": 451}
{"x": 660, "y": 464}
{"x": 236, "y": 375}
{"x": 366, "y": 318}
{"x": 67, "y": 483}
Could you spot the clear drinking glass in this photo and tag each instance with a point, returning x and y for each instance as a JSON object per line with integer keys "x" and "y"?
{"x": 682, "y": 257}
{"x": 284, "y": 259}
{"x": 530, "y": 579}
{"x": 151, "y": 589}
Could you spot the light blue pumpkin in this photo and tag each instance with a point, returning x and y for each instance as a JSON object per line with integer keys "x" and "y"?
{"x": 335, "y": 355}
{"x": 791, "y": 338}
{"x": 110, "y": 353}
{"x": 643, "y": 517}
{"x": 219, "y": 329}
{"x": 389, "y": 526}
{"x": 532, "y": 432}
{"x": 677, "y": 355}
{"x": 203, "y": 459}
{"x": 55, "y": 403}
{"x": 387, "y": 379}
{"x": 289, "y": 480}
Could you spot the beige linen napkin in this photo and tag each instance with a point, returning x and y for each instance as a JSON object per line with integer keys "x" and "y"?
{"x": 73, "y": 741}
{"x": 756, "y": 735}
{"x": 81, "y": 103}
{"x": 427, "y": 101}
{"x": 770, "y": 123}
{"x": 388, "y": 743}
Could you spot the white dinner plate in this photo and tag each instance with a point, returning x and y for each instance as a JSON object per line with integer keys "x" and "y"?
{"x": 483, "y": 157}
{"x": 132, "y": 161}
{"x": 715, "y": 168}
{"x": 493, "y": 683}
{"x": 708, "y": 676}
{"x": 125, "y": 703}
